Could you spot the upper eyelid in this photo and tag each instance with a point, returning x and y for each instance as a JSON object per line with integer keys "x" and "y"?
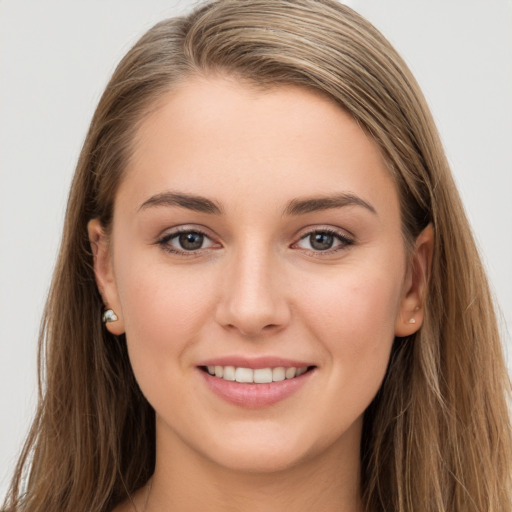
{"x": 170, "y": 232}
{"x": 309, "y": 230}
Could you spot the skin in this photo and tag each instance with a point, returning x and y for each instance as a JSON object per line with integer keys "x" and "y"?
{"x": 257, "y": 286}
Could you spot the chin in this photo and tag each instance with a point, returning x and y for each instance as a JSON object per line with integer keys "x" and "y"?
{"x": 260, "y": 460}
{"x": 268, "y": 452}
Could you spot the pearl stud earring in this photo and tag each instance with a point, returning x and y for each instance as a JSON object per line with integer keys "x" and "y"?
{"x": 109, "y": 316}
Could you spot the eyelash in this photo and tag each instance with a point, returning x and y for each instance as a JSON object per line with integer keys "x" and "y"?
{"x": 164, "y": 241}
{"x": 345, "y": 241}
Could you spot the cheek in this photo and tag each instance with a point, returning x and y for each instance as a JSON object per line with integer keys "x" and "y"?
{"x": 354, "y": 322}
{"x": 164, "y": 310}
{"x": 356, "y": 301}
{"x": 353, "y": 318}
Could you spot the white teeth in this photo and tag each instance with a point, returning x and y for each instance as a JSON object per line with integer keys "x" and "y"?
{"x": 258, "y": 376}
{"x": 229, "y": 373}
{"x": 278, "y": 374}
{"x": 263, "y": 375}
{"x": 290, "y": 372}
{"x": 244, "y": 375}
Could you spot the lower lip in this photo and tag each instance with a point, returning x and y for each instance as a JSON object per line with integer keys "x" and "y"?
{"x": 253, "y": 396}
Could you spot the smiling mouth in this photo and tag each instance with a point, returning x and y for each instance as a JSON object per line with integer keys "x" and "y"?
{"x": 256, "y": 376}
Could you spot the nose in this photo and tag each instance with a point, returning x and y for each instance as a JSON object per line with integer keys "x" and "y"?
{"x": 253, "y": 300}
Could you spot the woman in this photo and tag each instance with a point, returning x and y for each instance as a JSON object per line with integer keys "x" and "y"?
{"x": 259, "y": 301}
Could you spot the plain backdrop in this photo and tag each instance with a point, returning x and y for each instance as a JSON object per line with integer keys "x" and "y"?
{"x": 56, "y": 58}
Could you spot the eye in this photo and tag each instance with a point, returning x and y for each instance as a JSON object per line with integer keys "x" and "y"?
{"x": 185, "y": 241}
{"x": 190, "y": 241}
{"x": 324, "y": 240}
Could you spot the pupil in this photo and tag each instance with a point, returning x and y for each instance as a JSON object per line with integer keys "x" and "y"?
{"x": 321, "y": 241}
{"x": 191, "y": 241}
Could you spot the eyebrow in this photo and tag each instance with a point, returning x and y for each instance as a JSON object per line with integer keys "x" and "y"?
{"x": 188, "y": 201}
{"x": 315, "y": 204}
{"x": 295, "y": 207}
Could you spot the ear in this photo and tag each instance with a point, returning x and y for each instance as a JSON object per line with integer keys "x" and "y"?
{"x": 103, "y": 271}
{"x": 410, "y": 315}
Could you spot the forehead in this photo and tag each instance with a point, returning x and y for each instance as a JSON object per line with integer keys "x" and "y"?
{"x": 217, "y": 135}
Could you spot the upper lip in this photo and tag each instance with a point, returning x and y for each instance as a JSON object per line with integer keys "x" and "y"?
{"x": 255, "y": 362}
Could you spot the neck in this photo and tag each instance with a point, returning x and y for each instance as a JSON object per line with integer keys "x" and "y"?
{"x": 185, "y": 481}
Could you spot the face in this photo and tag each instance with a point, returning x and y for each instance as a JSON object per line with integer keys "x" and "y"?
{"x": 256, "y": 237}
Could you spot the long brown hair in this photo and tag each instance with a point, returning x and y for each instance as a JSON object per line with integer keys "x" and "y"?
{"x": 437, "y": 437}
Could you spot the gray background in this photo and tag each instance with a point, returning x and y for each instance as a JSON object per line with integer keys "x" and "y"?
{"x": 55, "y": 59}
